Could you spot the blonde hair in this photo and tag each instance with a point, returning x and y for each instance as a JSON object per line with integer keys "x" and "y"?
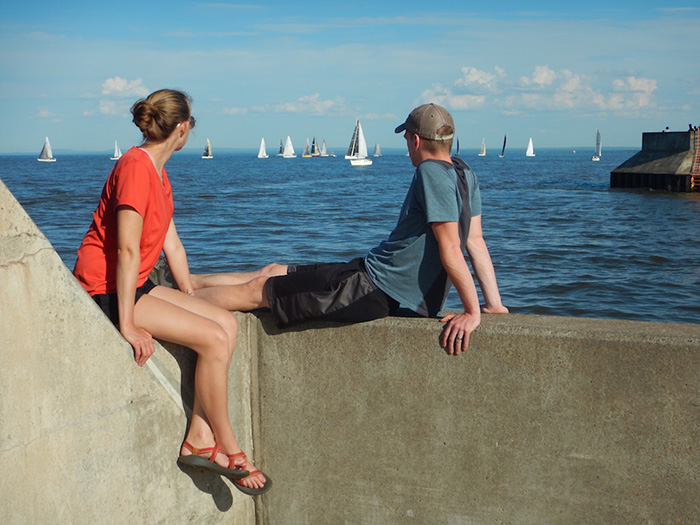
{"x": 159, "y": 113}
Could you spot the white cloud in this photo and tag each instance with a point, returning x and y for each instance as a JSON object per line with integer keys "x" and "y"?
{"x": 444, "y": 96}
{"x": 542, "y": 76}
{"x": 308, "y": 104}
{"x": 545, "y": 89}
{"x": 125, "y": 88}
{"x": 473, "y": 78}
{"x": 235, "y": 111}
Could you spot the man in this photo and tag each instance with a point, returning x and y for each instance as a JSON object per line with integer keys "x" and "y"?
{"x": 413, "y": 267}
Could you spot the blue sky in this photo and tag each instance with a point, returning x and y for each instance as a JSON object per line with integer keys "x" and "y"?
{"x": 554, "y": 72}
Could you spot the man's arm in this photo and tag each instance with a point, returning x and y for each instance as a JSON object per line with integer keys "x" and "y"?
{"x": 483, "y": 268}
{"x": 458, "y": 327}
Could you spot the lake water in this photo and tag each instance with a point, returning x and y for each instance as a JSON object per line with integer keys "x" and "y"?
{"x": 562, "y": 242}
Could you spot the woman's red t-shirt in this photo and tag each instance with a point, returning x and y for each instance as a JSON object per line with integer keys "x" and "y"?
{"x": 133, "y": 182}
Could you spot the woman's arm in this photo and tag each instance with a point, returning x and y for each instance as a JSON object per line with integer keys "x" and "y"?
{"x": 177, "y": 260}
{"x": 129, "y": 228}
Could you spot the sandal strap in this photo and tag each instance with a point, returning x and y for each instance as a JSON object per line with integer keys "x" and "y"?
{"x": 232, "y": 457}
{"x": 213, "y": 451}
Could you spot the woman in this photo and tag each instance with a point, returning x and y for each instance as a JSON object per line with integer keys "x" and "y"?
{"x": 132, "y": 225}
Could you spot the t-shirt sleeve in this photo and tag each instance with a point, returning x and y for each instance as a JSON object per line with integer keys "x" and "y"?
{"x": 441, "y": 198}
{"x": 131, "y": 187}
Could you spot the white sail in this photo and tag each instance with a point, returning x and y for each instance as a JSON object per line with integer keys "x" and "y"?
{"x": 307, "y": 150}
{"x": 377, "y": 150}
{"x": 530, "y": 149}
{"x": 262, "y": 152}
{"x": 323, "y": 149}
{"x": 288, "y": 152}
{"x": 206, "y": 154}
{"x": 482, "y": 153}
{"x": 117, "y": 152}
{"x": 46, "y": 154}
{"x": 598, "y": 146}
{"x": 315, "y": 150}
{"x": 357, "y": 151}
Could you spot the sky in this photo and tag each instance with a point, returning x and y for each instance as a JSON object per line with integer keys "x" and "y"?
{"x": 551, "y": 71}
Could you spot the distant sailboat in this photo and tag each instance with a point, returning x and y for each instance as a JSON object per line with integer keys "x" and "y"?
{"x": 377, "y": 150}
{"x": 598, "y": 146}
{"x": 482, "y": 153}
{"x": 503, "y": 151}
{"x": 323, "y": 149}
{"x": 530, "y": 149}
{"x": 206, "y": 154}
{"x": 281, "y": 151}
{"x": 457, "y": 150}
{"x": 357, "y": 150}
{"x": 117, "y": 152}
{"x": 315, "y": 150}
{"x": 262, "y": 153}
{"x": 307, "y": 151}
{"x": 288, "y": 152}
{"x": 46, "y": 155}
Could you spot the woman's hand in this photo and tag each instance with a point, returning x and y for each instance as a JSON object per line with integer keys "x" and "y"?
{"x": 141, "y": 341}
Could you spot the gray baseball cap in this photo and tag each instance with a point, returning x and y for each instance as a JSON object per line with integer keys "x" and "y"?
{"x": 426, "y": 120}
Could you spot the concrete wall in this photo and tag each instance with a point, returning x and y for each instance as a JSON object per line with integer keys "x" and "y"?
{"x": 671, "y": 141}
{"x": 86, "y": 436}
{"x": 545, "y": 420}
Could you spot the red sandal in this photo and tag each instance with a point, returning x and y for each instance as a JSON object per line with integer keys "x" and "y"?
{"x": 197, "y": 460}
{"x": 249, "y": 490}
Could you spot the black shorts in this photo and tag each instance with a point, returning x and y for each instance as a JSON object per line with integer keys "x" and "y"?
{"x": 110, "y": 305}
{"x": 332, "y": 291}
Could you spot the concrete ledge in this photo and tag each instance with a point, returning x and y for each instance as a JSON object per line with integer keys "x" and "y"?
{"x": 545, "y": 420}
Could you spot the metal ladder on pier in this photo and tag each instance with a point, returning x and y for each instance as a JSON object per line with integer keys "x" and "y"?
{"x": 695, "y": 170}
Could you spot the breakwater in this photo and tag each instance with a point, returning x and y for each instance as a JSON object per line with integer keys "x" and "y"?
{"x": 545, "y": 419}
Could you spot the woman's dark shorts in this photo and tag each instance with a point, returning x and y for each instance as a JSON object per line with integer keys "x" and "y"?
{"x": 332, "y": 291}
{"x": 110, "y": 305}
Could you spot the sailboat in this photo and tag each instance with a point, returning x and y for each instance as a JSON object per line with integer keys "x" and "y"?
{"x": 530, "y": 149}
{"x": 503, "y": 151}
{"x": 46, "y": 155}
{"x": 315, "y": 150}
{"x": 117, "y": 152}
{"x": 307, "y": 151}
{"x": 262, "y": 153}
{"x": 598, "y": 146}
{"x": 482, "y": 153}
{"x": 206, "y": 154}
{"x": 377, "y": 150}
{"x": 323, "y": 149}
{"x": 457, "y": 150}
{"x": 281, "y": 151}
{"x": 288, "y": 152}
{"x": 357, "y": 150}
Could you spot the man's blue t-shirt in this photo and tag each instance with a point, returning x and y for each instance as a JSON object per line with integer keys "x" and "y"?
{"x": 407, "y": 265}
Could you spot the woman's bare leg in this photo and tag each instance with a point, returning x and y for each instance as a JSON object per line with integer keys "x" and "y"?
{"x": 211, "y": 332}
{"x": 206, "y": 280}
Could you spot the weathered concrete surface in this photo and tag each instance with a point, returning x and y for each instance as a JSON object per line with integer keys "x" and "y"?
{"x": 545, "y": 420}
{"x": 86, "y": 436}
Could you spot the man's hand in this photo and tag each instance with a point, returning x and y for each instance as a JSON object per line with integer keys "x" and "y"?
{"x": 455, "y": 336}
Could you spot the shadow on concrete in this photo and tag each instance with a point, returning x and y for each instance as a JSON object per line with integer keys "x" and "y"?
{"x": 212, "y": 484}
